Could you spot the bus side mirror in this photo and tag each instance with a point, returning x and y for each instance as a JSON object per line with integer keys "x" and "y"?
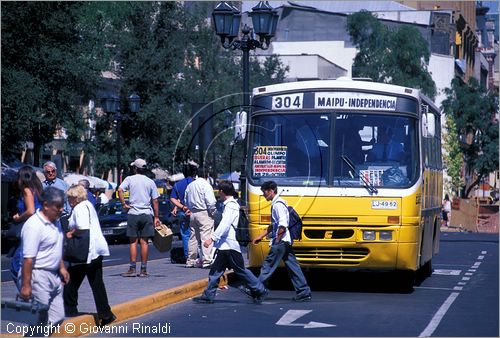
{"x": 428, "y": 125}
{"x": 240, "y": 126}
{"x": 431, "y": 125}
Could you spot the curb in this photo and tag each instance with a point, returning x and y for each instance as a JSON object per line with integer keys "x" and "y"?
{"x": 138, "y": 307}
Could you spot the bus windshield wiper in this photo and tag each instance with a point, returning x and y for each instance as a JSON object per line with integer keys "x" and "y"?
{"x": 368, "y": 185}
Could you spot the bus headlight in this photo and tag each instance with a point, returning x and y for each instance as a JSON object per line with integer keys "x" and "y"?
{"x": 385, "y": 235}
{"x": 368, "y": 235}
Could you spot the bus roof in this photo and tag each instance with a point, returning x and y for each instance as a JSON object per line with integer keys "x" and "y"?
{"x": 340, "y": 83}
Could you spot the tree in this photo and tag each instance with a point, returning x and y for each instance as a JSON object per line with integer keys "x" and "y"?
{"x": 48, "y": 69}
{"x": 399, "y": 57}
{"x": 472, "y": 109}
{"x": 452, "y": 157}
{"x": 166, "y": 54}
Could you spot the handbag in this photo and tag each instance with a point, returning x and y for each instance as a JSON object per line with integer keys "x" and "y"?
{"x": 163, "y": 238}
{"x": 76, "y": 248}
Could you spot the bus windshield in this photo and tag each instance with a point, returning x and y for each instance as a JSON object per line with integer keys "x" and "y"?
{"x": 334, "y": 149}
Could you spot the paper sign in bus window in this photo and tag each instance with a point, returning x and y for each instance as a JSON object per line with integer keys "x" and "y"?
{"x": 269, "y": 161}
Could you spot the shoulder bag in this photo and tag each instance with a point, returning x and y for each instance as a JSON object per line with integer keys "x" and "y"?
{"x": 76, "y": 248}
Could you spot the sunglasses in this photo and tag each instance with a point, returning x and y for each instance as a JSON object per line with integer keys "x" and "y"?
{"x": 50, "y": 171}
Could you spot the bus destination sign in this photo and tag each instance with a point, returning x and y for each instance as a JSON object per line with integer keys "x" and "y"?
{"x": 359, "y": 101}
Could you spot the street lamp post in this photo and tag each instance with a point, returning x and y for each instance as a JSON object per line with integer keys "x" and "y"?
{"x": 111, "y": 105}
{"x": 226, "y": 19}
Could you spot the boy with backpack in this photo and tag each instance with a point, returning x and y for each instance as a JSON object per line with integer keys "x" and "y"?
{"x": 228, "y": 254}
{"x": 281, "y": 244}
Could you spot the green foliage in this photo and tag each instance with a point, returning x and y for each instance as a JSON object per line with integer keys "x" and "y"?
{"x": 472, "y": 109}
{"x": 398, "y": 57}
{"x": 453, "y": 160}
{"x": 48, "y": 69}
{"x": 53, "y": 54}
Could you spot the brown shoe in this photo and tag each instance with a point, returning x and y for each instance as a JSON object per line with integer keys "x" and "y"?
{"x": 143, "y": 274}
{"x": 130, "y": 273}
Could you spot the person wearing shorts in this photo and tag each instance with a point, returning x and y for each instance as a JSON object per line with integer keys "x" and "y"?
{"x": 142, "y": 216}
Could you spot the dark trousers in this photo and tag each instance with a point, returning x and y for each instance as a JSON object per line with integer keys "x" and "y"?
{"x": 277, "y": 253}
{"x": 77, "y": 273}
{"x": 234, "y": 260}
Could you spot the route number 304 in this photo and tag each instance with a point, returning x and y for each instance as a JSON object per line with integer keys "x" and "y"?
{"x": 289, "y": 101}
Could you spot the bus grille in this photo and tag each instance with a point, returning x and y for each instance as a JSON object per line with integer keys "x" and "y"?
{"x": 330, "y": 255}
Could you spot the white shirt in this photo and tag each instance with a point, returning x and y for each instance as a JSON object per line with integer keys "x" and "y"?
{"x": 200, "y": 196}
{"x": 85, "y": 217}
{"x": 225, "y": 234}
{"x": 280, "y": 218}
{"x": 104, "y": 198}
{"x": 141, "y": 190}
{"x": 42, "y": 240}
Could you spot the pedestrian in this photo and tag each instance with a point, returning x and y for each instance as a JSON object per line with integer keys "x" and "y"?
{"x": 200, "y": 201}
{"x": 43, "y": 270}
{"x": 84, "y": 217}
{"x": 228, "y": 251}
{"x": 446, "y": 210}
{"x": 190, "y": 171}
{"x": 30, "y": 192}
{"x": 90, "y": 196}
{"x": 280, "y": 244}
{"x": 51, "y": 180}
{"x": 141, "y": 218}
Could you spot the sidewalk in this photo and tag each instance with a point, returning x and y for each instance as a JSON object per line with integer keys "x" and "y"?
{"x": 129, "y": 297}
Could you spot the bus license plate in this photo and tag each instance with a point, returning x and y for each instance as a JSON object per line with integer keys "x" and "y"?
{"x": 386, "y": 205}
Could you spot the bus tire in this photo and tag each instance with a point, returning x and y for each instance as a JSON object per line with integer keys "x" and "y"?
{"x": 405, "y": 280}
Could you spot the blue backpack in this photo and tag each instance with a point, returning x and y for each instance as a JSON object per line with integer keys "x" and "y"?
{"x": 295, "y": 224}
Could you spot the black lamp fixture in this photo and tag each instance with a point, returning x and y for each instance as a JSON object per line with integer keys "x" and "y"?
{"x": 111, "y": 105}
{"x": 227, "y": 18}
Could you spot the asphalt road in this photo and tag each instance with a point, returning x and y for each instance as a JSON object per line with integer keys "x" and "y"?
{"x": 460, "y": 299}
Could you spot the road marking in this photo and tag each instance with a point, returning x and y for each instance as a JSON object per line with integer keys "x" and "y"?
{"x": 458, "y": 288}
{"x": 468, "y": 273}
{"x": 292, "y": 315}
{"x": 476, "y": 265}
{"x": 431, "y": 288}
{"x": 446, "y": 272}
{"x": 111, "y": 259}
{"x": 480, "y": 257}
{"x": 433, "y": 324}
{"x": 462, "y": 283}
{"x": 472, "y": 270}
{"x": 484, "y": 252}
{"x": 465, "y": 278}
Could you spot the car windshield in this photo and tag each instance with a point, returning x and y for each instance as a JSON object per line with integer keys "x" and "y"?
{"x": 342, "y": 149}
{"x": 112, "y": 208}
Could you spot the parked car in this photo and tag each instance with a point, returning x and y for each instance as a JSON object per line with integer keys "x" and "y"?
{"x": 114, "y": 220}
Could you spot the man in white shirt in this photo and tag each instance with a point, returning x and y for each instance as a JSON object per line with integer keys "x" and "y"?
{"x": 200, "y": 201}
{"x": 141, "y": 218}
{"x": 43, "y": 272}
{"x": 281, "y": 247}
{"x": 228, "y": 253}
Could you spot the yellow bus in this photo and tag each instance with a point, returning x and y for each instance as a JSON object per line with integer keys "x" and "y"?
{"x": 360, "y": 162}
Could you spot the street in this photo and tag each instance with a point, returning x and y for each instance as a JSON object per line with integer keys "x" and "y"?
{"x": 459, "y": 299}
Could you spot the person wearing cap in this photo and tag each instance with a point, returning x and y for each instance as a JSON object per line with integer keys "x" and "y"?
{"x": 143, "y": 215}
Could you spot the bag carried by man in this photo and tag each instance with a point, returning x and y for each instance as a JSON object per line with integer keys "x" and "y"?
{"x": 242, "y": 231}
{"x": 295, "y": 224}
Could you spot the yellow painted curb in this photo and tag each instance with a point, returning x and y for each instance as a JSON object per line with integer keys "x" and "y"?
{"x": 138, "y": 307}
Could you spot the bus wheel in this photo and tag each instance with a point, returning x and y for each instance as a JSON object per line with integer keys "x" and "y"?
{"x": 405, "y": 279}
{"x": 424, "y": 272}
